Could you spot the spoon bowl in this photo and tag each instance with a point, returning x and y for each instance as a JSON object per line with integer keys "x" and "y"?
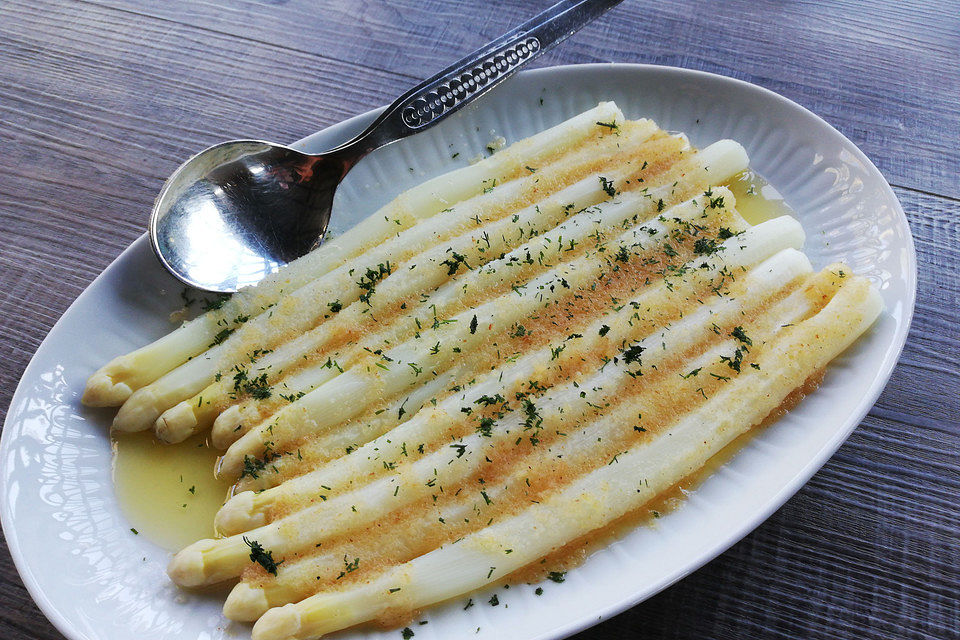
{"x": 238, "y": 211}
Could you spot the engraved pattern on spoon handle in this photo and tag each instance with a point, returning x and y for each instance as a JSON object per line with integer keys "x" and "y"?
{"x": 472, "y": 76}
{"x": 463, "y": 86}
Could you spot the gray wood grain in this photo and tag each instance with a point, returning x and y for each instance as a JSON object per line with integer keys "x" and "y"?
{"x": 100, "y": 100}
{"x": 884, "y": 73}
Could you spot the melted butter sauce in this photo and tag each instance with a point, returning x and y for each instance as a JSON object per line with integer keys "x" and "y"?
{"x": 757, "y": 200}
{"x": 153, "y": 480}
{"x": 167, "y": 492}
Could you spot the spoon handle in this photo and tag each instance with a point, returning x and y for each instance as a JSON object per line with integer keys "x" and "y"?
{"x": 470, "y": 77}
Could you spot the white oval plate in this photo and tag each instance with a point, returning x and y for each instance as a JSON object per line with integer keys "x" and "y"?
{"x": 95, "y": 580}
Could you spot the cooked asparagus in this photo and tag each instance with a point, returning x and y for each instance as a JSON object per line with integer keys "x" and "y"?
{"x": 482, "y": 371}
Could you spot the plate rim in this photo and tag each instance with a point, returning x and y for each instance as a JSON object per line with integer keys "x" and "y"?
{"x": 847, "y": 426}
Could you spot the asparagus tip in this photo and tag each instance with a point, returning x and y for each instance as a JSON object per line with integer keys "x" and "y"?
{"x": 279, "y": 623}
{"x": 238, "y": 515}
{"x": 225, "y": 427}
{"x": 176, "y": 424}
{"x": 245, "y": 603}
{"x": 102, "y": 391}
{"x": 230, "y": 463}
{"x": 138, "y": 413}
{"x": 187, "y": 567}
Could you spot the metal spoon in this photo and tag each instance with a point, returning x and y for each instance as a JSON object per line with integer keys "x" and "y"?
{"x": 240, "y": 210}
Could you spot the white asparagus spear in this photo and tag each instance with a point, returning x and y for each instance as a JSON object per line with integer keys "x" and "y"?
{"x": 402, "y": 365}
{"x": 428, "y": 270}
{"x": 113, "y": 383}
{"x": 719, "y": 161}
{"x": 601, "y": 496}
{"x": 356, "y": 279}
{"x": 249, "y": 509}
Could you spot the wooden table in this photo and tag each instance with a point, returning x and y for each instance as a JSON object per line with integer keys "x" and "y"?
{"x": 101, "y": 99}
